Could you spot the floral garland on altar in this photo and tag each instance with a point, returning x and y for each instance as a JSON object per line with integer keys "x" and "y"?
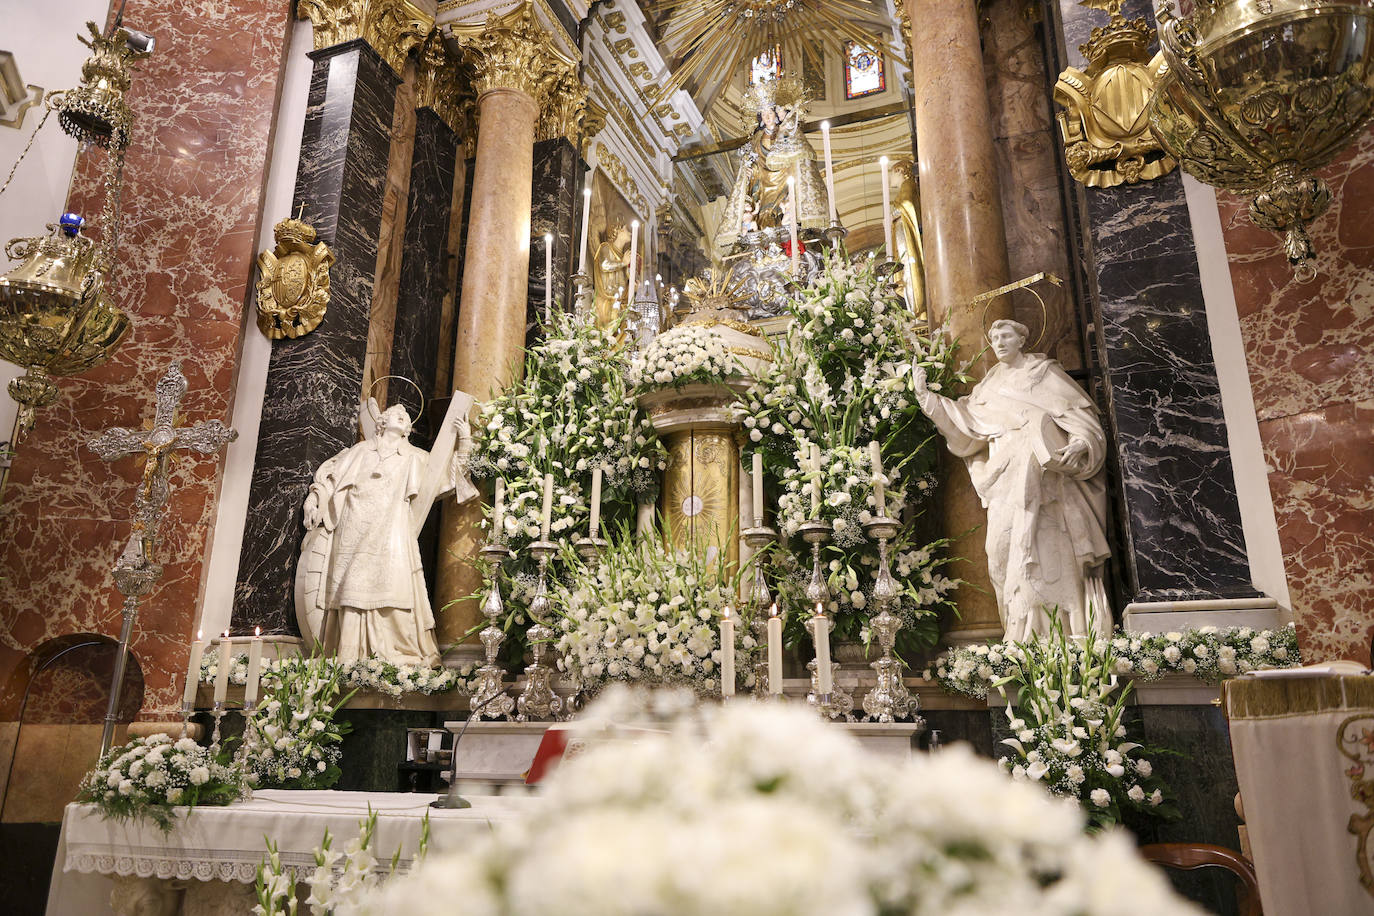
{"x": 691, "y": 353}
{"x": 840, "y": 379}
{"x": 372, "y": 674}
{"x": 149, "y": 777}
{"x": 1210, "y": 654}
{"x": 646, "y": 612}
{"x": 676, "y": 821}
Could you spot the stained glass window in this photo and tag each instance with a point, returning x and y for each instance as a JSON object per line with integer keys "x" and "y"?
{"x": 864, "y": 71}
{"x": 767, "y": 66}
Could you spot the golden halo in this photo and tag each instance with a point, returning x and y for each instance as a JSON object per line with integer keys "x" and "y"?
{"x": 401, "y": 378}
{"x": 1027, "y": 284}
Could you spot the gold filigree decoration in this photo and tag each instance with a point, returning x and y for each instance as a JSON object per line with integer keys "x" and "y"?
{"x": 293, "y": 281}
{"x": 513, "y": 51}
{"x": 442, "y": 86}
{"x": 392, "y": 28}
{"x": 1105, "y": 121}
{"x": 564, "y": 111}
{"x": 718, "y": 299}
{"x": 1355, "y": 741}
{"x": 615, "y": 170}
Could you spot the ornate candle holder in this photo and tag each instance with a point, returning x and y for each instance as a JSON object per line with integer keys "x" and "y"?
{"x": 839, "y": 703}
{"x": 816, "y": 532}
{"x": 583, "y": 285}
{"x": 589, "y": 548}
{"x": 759, "y": 537}
{"x": 489, "y": 698}
{"x": 834, "y": 233}
{"x": 186, "y": 710}
{"x": 218, "y": 712}
{"x": 538, "y": 701}
{"x": 889, "y": 699}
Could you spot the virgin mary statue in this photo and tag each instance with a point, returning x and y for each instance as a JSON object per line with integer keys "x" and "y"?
{"x": 1035, "y": 449}
{"x": 777, "y": 150}
{"x": 360, "y": 586}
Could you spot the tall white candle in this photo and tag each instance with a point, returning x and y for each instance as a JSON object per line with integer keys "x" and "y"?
{"x": 193, "y": 670}
{"x": 758, "y": 488}
{"x": 820, "y": 631}
{"x": 226, "y": 661}
{"x": 774, "y": 651}
{"x": 595, "y": 526}
{"x": 498, "y": 511}
{"x": 887, "y": 210}
{"x": 875, "y": 454}
{"x": 634, "y": 257}
{"x": 548, "y": 278}
{"x": 727, "y": 654}
{"x": 547, "y": 514}
{"x": 586, "y": 225}
{"x": 792, "y": 221}
{"x": 815, "y": 480}
{"x": 829, "y": 172}
{"x": 250, "y": 689}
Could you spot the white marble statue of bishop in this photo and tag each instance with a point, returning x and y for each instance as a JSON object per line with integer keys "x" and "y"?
{"x": 1034, "y": 448}
{"x": 360, "y": 585}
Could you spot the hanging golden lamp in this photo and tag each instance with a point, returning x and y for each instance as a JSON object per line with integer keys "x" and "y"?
{"x": 1253, "y": 95}
{"x": 56, "y": 316}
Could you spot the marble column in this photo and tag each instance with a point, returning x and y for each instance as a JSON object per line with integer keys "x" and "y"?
{"x": 966, "y": 252}
{"x": 515, "y": 63}
{"x": 310, "y": 409}
{"x": 1176, "y": 496}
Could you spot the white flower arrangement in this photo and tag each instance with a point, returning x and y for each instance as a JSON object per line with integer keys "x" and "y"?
{"x": 1069, "y": 732}
{"x": 1210, "y": 654}
{"x": 297, "y": 737}
{"x": 647, "y": 614}
{"x": 686, "y": 354}
{"x": 839, "y": 380}
{"x": 373, "y": 674}
{"x": 763, "y": 809}
{"x": 149, "y": 777}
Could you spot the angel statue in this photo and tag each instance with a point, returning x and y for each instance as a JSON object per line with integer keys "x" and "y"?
{"x": 360, "y": 586}
{"x": 1034, "y": 448}
{"x": 611, "y": 274}
{"x": 777, "y": 150}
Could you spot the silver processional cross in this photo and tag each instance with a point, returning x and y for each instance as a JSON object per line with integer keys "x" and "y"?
{"x": 137, "y": 570}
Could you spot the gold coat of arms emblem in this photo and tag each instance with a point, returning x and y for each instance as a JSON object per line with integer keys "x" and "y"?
{"x": 293, "y": 281}
{"x": 1105, "y": 121}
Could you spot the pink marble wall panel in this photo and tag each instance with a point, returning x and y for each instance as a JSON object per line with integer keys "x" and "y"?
{"x": 1310, "y": 348}
{"x": 195, "y": 174}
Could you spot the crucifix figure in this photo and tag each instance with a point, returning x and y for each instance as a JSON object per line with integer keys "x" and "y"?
{"x": 136, "y": 570}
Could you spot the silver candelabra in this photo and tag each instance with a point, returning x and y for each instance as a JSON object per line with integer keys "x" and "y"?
{"x": 837, "y": 703}
{"x": 490, "y": 698}
{"x": 889, "y": 699}
{"x": 538, "y": 700}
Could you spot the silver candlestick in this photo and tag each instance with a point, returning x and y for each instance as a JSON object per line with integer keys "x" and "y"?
{"x": 538, "y": 701}
{"x": 839, "y": 703}
{"x": 218, "y": 712}
{"x": 834, "y": 233}
{"x": 583, "y": 285}
{"x": 490, "y": 698}
{"x": 186, "y": 710}
{"x": 759, "y": 537}
{"x": 589, "y": 548}
{"x": 889, "y": 699}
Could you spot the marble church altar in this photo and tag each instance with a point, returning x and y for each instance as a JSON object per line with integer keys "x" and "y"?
{"x": 457, "y": 360}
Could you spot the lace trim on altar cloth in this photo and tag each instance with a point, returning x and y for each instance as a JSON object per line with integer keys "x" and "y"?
{"x": 200, "y": 865}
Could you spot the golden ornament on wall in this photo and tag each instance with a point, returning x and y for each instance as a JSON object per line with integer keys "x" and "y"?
{"x": 1105, "y": 121}
{"x": 293, "y": 281}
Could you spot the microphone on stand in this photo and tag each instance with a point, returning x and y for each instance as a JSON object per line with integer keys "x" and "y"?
{"x": 451, "y": 798}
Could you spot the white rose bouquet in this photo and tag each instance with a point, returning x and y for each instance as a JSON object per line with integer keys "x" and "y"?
{"x": 675, "y": 823}
{"x": 648, "y": 614}
{"x": 1069, "y": 731}
{"x": 149, "y": 777}
{"x": 687, "y": 354}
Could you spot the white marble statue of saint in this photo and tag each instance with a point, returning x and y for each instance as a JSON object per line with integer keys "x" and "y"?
{"x": 360, "y": 585}
{"x": 1035, "y": 448}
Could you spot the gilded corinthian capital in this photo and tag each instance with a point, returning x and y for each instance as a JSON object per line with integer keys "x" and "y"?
{"x": 443, "y": 84}
{"x": 390, "y": 27}
{"x": 513, "y": 52}
{"x": 564, "y": 109}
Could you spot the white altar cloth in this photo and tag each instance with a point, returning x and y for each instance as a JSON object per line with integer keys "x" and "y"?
{"x": 226, "y": 843}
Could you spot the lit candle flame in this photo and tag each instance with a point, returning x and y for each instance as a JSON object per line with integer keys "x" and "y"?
{"x": 257, "y": 631}
{"x": 773, "y": 611}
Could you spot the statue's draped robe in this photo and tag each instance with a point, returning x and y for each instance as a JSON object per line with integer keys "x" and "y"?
{"x": 1046, "y": 529}
{"x": 610, "y": 284}
{"x": 762, "y": 182}
{"x": 374, "y": 597}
